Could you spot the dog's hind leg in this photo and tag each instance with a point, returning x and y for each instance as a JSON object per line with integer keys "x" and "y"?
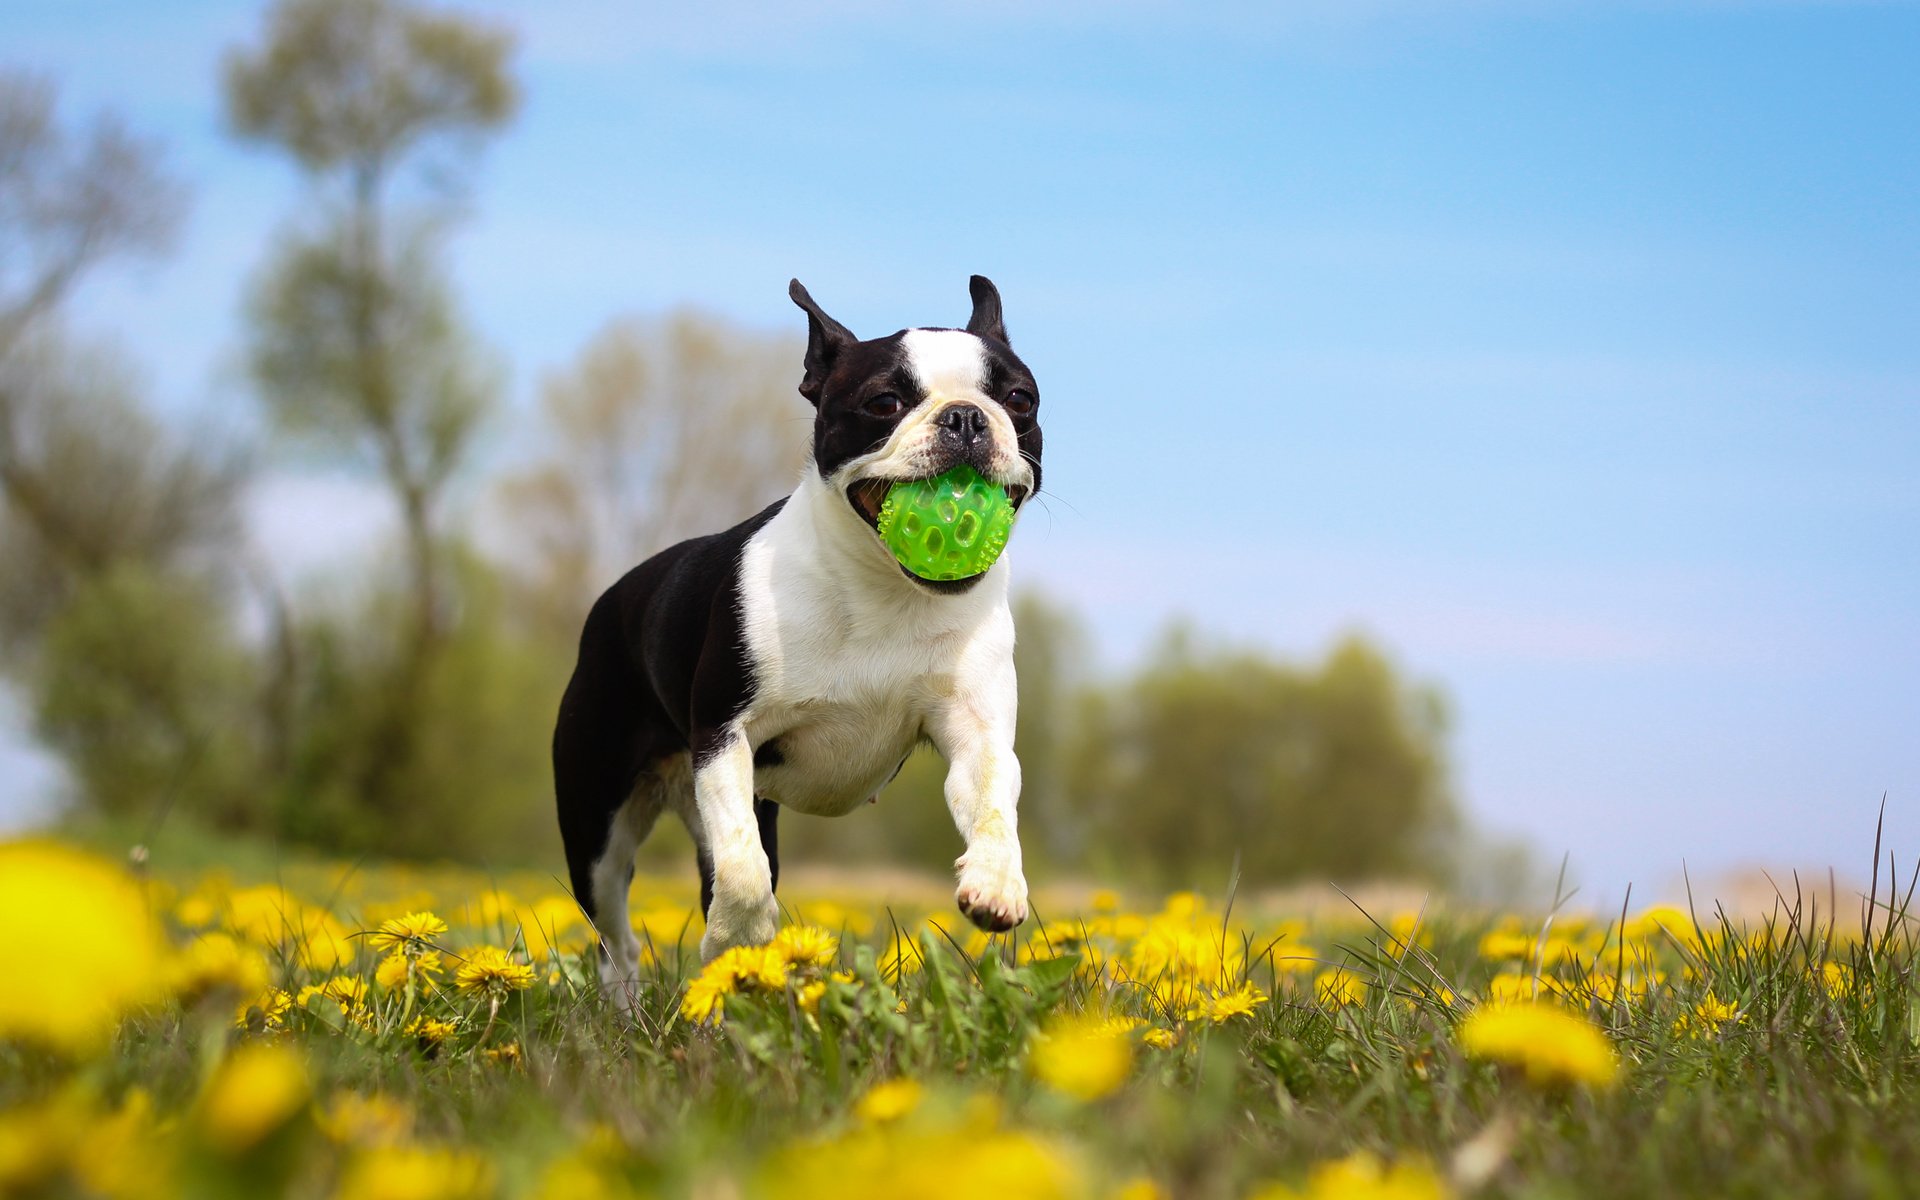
{"x": 599, "y": 747}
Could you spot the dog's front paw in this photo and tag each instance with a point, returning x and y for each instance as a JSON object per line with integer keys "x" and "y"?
{"x": 622, "y": 988}
{"x": 992, "y": 891}
{"x": 742, "y": 923}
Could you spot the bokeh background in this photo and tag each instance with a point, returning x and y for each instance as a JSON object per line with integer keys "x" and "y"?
{"x": 1478, "y": 434}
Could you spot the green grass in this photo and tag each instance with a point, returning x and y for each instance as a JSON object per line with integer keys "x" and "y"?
{"x": 1809, "y": 1090}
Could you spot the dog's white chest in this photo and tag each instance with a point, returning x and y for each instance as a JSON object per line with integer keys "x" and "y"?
{"x": 843, "y": 682}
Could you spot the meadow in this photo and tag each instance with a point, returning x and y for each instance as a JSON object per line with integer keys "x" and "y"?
{"x": 389, "y": 1032}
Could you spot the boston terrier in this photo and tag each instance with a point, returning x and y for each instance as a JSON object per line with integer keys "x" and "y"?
{"x": 792, "y": 661}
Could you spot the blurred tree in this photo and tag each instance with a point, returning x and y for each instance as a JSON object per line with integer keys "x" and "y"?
{"x": 1335, "y": 772}
{"x": 356, "y": 342}
{"x": 478, "y": 762}
{"x": 69, "y": 201}
{"x": 92, "y": 484}
{"x": 662, "y": 430}
{"x": 118, "y": 539}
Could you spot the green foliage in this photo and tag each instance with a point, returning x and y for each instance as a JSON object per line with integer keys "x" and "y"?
{"x": 363, "y": 83}
{"x": 143, "y": 690}
{"x": 367, "y": 357}
{"x": 1206, "y": 757}
{"x": 91, "y": 482}
{"x": 469, "y": 780}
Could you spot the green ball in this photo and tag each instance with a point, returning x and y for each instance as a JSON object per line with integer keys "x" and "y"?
{"x": 952, "y": 526}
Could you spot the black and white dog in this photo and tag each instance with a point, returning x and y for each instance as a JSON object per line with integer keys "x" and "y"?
{"x": 792, "y": 661}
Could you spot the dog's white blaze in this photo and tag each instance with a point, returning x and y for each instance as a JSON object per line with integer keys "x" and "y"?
{"x": 951, "y": 365}
{"x": 947, "y": 362}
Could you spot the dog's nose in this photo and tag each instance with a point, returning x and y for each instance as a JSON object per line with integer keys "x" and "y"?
{"x": 965, "y": 422}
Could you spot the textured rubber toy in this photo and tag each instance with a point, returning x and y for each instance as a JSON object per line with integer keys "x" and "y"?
{"x": 952, "y": 526}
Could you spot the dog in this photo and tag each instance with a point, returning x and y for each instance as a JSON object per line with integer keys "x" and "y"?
{"x": 791, "y": 661}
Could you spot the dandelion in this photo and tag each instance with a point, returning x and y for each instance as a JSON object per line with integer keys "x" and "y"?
{"x": 1705, "y": 1018}
{"x": 806, "y": 945}
{"x": 1549, "y": 1044}
{"x": 919, "y": 1159}
{"x": 1338, "y": 986}
{"x": 1362, "y": 1176}
{"x": 81, "y": 947}
{"x": 1509, "y": 987}
{"x": 357, "y": 1120}
{"x": 1083, "y": 1058}
{"x": 412, "y": 934}
{"x": 397, "y": 970}
{"x": 1240, "y": 1002}
{"x": 217, "y": 962}
{"x": 1161, "y": 1039}
{"x": 809, "y": 996}
{"x": 264, "y": 1012}
{"x": 348, "y": 991}
{"x": 431, "y": 1030}
{"x": 255, "y": 1091}
{"x": 889, "y": 1101}
{"x": 1837, "y": 978}
{"x": 1502, "y": 944}
{"x": 416, "y": 1173}
{"x": 504, "y": 1056}
{"x": 492, "y": 971}
{"x": 706, "y": 997}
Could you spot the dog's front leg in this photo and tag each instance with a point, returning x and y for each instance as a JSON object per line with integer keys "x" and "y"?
{"x": 983, "y": 791}
{"x": 743, "y": 912}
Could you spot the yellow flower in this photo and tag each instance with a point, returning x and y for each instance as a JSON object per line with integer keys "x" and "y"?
{"x": 256, "y": 1090}
{"x": 1706, "y": 1017}
{"x": 1361, "y": 1176}
{"x": 266, "y": 1011}
{"x": 1503, "y": 944}
{"x": 809, "y": 995}
{"x": 1083, "y": 1058}
{"x": 354, "y": 1119}
{"x": 1140, "y": 1189}
{"x": 1338, "y": 986}
{"x": 706, "y": 997}
{"x": 416, "y": 1173}
{"x": 807, "y": 945}
{"x": 413, "y": 933}
{"x": 1240, "y": 1002}
{"x": 1161, "y": 1039}
{"x": 348, "y": 991}
{"x": 432, "y": 1029}
{"x": 505, "y": 1056}
{"x": 916, "y": 1159}
{"x": 80, "y": 947}
{"x": 1511, "y": 988}
{"x": 1837, "y": 978}
{"x": 217, "y": 962}
{"x": 1550, "y": 1044}
{"x": 492, "y": 970}
{"x": 393, "y": 969}
{"x": 889, "y": 1101}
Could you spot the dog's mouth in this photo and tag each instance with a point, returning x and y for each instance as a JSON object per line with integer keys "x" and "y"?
{"x": 868, "y": 495}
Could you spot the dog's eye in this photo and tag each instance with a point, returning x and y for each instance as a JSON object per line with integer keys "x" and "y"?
{"x": 1020, "y": 402}
{"x": 886, "y": 404}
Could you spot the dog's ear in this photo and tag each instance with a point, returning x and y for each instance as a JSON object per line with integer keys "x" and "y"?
{"x": 986, "y": 321}
{"x": 826, "y": 337}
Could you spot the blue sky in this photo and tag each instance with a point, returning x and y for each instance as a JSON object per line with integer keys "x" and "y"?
{"x": 1571, "y": 350}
